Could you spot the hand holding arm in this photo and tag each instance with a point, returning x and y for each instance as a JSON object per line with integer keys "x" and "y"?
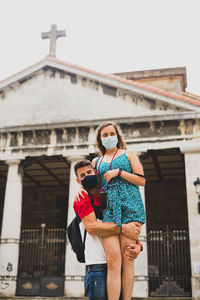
{"x": 132, "y": 230}
{"x": 130, "y": 177}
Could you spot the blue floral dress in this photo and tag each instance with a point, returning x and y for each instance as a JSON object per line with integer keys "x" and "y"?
{"x": 124, "y": 199}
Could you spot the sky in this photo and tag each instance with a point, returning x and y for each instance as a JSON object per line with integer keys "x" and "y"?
{"x": 104, "y": 35}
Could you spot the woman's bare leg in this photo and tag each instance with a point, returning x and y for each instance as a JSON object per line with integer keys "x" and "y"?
{"x": 113, "y": 254}
{"x": 127, "y": 269}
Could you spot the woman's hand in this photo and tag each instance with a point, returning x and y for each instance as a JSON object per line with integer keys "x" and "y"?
{"x": 111, "y": 174}
{"x": 79, "y": 195}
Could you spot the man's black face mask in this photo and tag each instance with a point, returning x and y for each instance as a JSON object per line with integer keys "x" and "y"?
{"x": 89, "y": 182}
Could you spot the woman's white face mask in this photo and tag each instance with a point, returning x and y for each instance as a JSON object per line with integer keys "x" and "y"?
{"x": 110, "y": 142}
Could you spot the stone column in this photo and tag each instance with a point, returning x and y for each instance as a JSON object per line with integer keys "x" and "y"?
{"x": 74, "y": 271}
{"x": 141, "y": 263}
{"x": 11, "y": 226}
{"x": 192, "y": 171}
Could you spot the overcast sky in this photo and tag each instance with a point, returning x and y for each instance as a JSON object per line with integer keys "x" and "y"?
{"x": 104, "y": 35}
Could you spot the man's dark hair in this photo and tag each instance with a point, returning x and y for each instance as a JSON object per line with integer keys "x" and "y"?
{"x": 81, "y": 164}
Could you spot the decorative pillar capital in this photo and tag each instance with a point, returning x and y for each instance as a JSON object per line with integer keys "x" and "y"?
{"x": 190, "y": 147}
{"x": 75, "y": 158}
{"x": 14, "y": 164}
{"x": 10, "y": 162}
{"x": 141, "y": 155}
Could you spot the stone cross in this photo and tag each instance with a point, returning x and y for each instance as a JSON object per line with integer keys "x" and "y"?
{"x": 53, "y": 34}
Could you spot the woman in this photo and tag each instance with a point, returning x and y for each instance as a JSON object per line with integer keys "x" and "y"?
{"x": 120, "y": 173}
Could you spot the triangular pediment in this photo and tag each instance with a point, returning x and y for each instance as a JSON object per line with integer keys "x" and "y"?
{"x": 56, "y": 92}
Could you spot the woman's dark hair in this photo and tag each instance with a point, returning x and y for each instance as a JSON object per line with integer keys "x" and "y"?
{"x": 121, "y": 143}
{"x": 81, "y": 164}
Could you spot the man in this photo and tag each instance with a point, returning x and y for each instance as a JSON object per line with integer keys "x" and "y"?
{"x": 90, "y": 214}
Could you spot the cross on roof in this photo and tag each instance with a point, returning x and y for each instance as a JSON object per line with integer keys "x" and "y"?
{"x": 53, "y": 34}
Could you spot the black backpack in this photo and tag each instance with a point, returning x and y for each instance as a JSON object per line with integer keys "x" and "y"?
{"x": 75, "y": 239}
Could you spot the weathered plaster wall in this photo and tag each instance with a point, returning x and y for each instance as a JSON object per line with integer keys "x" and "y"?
{"x": 54, "y": 141}
{"x": 167, "y": 83}
{"x": 52, "y": 97}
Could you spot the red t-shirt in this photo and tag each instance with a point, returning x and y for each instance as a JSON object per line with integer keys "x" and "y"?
{"x": 84, "y": 207}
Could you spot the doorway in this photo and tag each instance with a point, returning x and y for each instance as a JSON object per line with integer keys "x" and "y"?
{"x": 169, "y": 267}
{"x": 43, "y": 231}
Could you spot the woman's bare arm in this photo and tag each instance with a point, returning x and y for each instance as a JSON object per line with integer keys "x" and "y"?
{"x": 130, "y": 177}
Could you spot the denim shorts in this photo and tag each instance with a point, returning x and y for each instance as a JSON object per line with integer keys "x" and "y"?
{"x": 95, "y": 282}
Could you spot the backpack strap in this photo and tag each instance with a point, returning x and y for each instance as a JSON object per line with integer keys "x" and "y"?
{"x": 97, "y": 209}
{"x": 91, "y": 198}
{"x": 84, "y": 237}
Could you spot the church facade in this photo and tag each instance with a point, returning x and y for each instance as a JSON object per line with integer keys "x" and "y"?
{"x": 48, "y": 116}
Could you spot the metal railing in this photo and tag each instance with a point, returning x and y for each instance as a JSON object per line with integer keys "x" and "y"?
{"x": 42, "y": 252}
{"x": 169, "y": 263}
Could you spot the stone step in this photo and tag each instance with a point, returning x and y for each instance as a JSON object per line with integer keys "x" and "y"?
{"x": 42, "y": 298}
{"x": 85, "y": 298}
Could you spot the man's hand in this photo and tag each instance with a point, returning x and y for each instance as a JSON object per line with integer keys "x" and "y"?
{"x": 132, "y": 230}
{"x": 132, "y": 251}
